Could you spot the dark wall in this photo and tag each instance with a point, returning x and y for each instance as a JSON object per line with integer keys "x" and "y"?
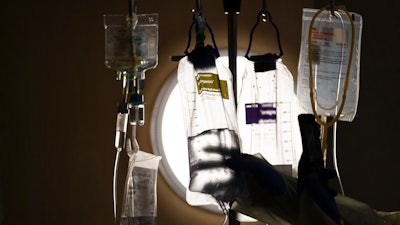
{"x": 58, "y": 106}
{"x": 367, "y": 148}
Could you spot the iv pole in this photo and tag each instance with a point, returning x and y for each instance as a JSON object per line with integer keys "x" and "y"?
{"x": 232, "y": 9}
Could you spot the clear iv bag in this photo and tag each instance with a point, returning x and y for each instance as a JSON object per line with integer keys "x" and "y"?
{"x": 331, "y": 42}
{"x": 209, "y": 112}
{"x": 131, "y": 43}
{"x": 140, "y": 203}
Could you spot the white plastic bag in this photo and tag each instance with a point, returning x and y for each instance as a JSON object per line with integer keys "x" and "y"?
{"x": 140, "y": 204}
{"x": 209, "y": 113}
{"x": 267, "y": 116}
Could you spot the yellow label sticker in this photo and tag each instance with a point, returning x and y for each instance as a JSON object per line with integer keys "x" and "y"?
{"x": 209, "y": 82}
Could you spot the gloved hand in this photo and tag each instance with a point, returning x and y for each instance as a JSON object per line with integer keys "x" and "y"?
{"x": 312, "y": 175}
{"x": 267, "y": 177}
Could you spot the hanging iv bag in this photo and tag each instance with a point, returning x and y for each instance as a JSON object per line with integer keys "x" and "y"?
{"x": 267, "y": 116}
{"x": 140, "y": 197}
{"x": 209, "y": 115}
{"x": 331, "y": 43}
{"x": 131, "y": 42}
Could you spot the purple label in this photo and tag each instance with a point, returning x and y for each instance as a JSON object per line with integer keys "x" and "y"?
{"x": 259, "y": 113}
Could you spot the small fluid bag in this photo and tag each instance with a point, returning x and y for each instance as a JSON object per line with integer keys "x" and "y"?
{"x": 140, "y": 203}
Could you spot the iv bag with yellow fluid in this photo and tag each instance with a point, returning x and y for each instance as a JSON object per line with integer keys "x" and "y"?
{"x": 328, "y": 79}
{"x": 118, "y": 49}
{"x": 131, "y": 42}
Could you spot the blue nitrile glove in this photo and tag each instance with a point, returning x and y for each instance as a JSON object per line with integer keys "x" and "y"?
{"x": 267, "y": 177}
{"x": 312, "y": 175}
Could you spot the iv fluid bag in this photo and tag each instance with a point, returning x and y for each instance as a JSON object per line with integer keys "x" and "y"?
{"x": 131, "y": 42}
{"x": 267, "y": 116}
{"x": 331, "y": 43}
{"x": 140, "y": 206}
{"x": 209, "y": 114}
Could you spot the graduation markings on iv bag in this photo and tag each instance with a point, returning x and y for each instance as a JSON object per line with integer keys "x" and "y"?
{"x": 266, "y": 126}
{"x": 141, "y": 207}
{"x": 265, "y": 137}
{"x": 209, "y": 87}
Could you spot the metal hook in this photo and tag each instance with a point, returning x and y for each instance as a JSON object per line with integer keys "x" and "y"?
{"x": 266, "y": 16}
{"x": 200, "y": 22}
{"x": 198, "y": 5}
{"x": 333, "y": 7}
{"x": 264, "y": 11}
{"x": 132, "y": 7}
{"x": 264, "y": 8}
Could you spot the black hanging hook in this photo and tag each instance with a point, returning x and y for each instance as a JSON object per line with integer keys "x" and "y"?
{"x": 264, "y": 7}
{"x": 332, "y": 7}
{"x": 131, "y": 7}
{"x": 201, "y": 56}
{"x": 198, "y": 5}
{"x": 266, "y": 16}
{"x": 267, "y": 61}
{"x": 200, "y": 23}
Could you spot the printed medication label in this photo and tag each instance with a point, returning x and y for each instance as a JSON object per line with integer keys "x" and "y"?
{"x": 260, "y": 113}
{"x": 210, "y": 83}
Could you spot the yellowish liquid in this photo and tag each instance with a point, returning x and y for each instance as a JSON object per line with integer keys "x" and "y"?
{"x": 120, "y": 65}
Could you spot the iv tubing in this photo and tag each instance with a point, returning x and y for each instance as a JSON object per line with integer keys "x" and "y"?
{"x": 128, "y": 180}
{"x": 326, "y": 125}
{"x": 224, "y": 210}
{"x": 225, "y": 219}
{"x": 335, "y": 158}
{"x": 339, "y": 81}
{"x": 117, "y": 155}
{"x": 132, "y": 147}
